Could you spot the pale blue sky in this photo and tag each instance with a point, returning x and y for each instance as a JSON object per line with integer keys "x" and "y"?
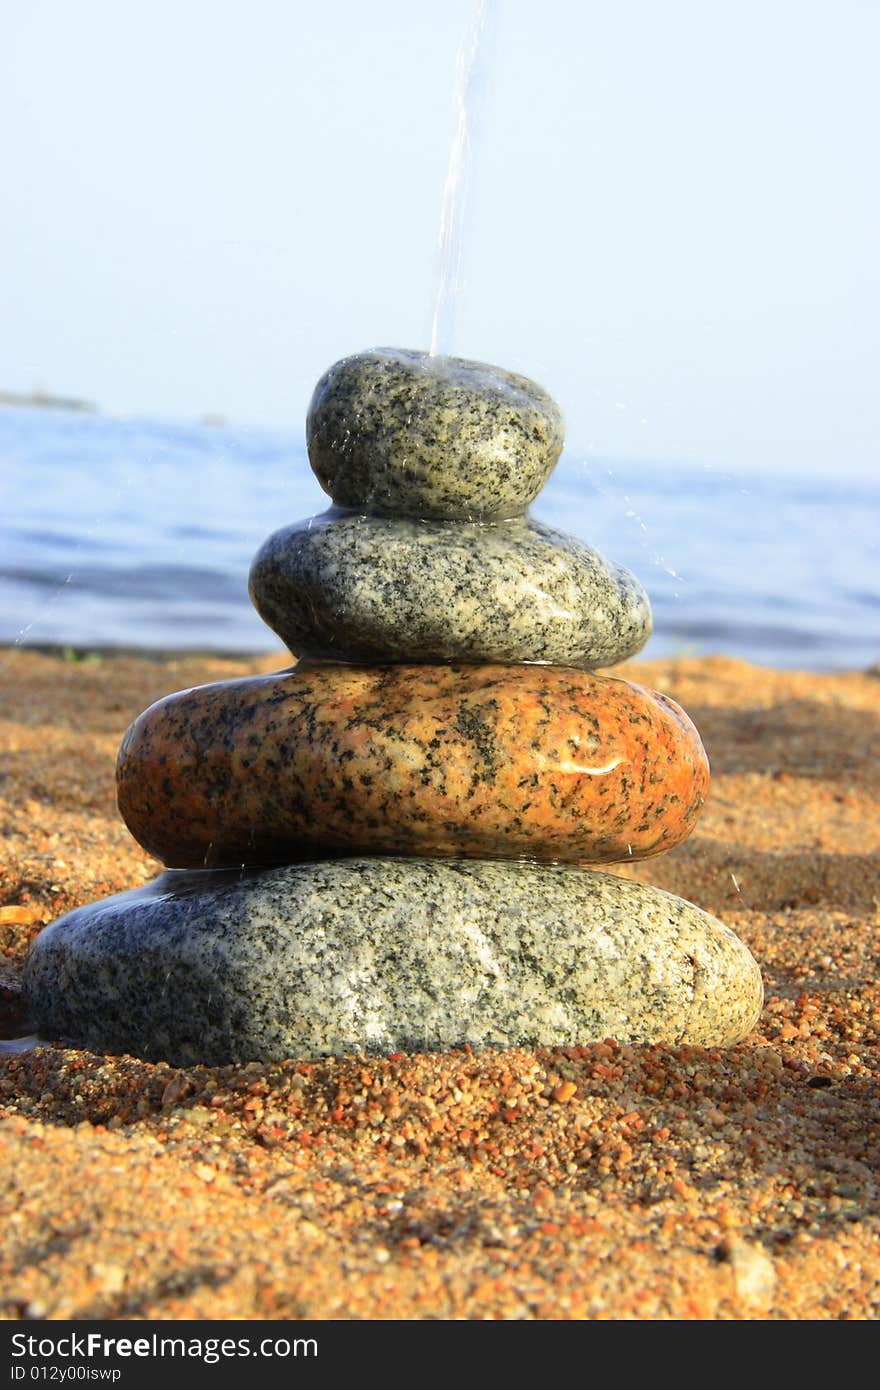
{"x": 673, "y": 220}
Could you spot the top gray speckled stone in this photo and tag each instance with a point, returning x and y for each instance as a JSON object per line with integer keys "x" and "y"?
{"x": 398, "y": 433}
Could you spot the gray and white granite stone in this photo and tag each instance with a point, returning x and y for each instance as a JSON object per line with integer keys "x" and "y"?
{"x": 385, "y": 955}
{"x": 400, "y": 433}
{"x": 348, "y": 587}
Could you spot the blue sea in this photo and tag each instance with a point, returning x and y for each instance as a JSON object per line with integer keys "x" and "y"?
{"x": 138, "y": 534}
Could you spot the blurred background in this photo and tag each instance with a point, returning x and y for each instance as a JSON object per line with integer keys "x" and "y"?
{"x": 669, "y": 219}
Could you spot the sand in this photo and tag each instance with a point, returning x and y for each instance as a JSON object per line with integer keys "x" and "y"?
{"x": 597, "y": 1182}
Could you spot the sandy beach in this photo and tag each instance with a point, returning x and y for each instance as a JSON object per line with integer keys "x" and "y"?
{"x": 596, "y": 1182}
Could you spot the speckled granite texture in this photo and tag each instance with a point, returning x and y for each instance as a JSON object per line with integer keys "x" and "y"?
{"x": 539, "y": 762}
{"x": 400, "y": 433}
{"x": 362, "y": 955}
{"x": 357, "y": 588}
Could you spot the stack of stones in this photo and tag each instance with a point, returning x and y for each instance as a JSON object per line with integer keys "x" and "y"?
{"x": 390, "y": 846}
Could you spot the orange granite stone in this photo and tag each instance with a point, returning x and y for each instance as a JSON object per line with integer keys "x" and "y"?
{"x": 525, "y": 762}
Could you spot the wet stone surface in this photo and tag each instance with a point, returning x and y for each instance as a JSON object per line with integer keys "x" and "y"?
{"x": 399, "y": 433}
{"x": 541, "y": 762}
{"x": 387, "y": 955}
{"x": 354, "y": 588}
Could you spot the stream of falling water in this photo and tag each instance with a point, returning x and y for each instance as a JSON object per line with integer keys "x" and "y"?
{"x": 468, "y": 71}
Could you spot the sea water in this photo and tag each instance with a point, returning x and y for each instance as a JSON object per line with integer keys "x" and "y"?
{"x": 139, "y": 534}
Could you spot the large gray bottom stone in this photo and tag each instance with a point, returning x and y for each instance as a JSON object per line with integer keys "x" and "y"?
{"x": 360, "y": 588}
{"x": 387, "y": 955}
